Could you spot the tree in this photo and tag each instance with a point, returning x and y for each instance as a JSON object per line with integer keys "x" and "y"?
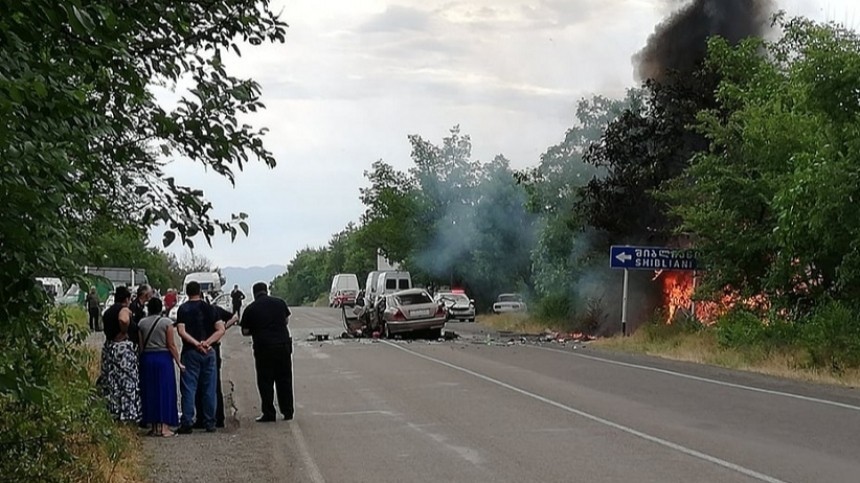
{"x": 772, "y": 202}
{"x": 115, "y": 242}
{"x": 390, "y": 213}
{"x": 644, "y": 147}
{"x": 554, "y": 188}
{"x": 446, "y": 193}
{"x": 500, "y": 253}
{"x": 84, "y": 134}
{"x": 305, "y": 279}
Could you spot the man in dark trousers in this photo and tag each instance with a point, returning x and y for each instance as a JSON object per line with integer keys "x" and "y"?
{"x": 265, "y": 320}
{"x": 237, "y": 297}
{"x": 93, "y": 306}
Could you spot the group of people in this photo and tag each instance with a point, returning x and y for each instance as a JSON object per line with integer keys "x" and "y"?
{"x": 140, "y": 357}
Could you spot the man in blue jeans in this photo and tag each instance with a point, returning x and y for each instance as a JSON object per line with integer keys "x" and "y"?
{"x": 199, "y": 330}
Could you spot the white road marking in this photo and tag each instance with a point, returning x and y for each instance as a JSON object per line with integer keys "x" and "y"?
{"x": 311, "y": 467}
{"x": 706, "y": 380}
{"x": 654, "y": 439}
{"x": 356, "y": 413}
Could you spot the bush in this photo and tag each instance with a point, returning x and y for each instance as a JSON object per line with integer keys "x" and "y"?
{"x": 555, "y": 308}
{"x": 740, "y": 328}
{"x": 593, "y": 320}
{"x": 56, "y": 430}
{"x": 831, "y": 336}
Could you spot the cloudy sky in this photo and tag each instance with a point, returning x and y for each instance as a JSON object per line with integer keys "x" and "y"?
{"x": 355, "y": 77}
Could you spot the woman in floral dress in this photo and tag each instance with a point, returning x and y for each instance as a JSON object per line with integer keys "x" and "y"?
{"x": 120, "y": 377}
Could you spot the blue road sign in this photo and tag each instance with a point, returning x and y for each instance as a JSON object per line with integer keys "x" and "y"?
{"x": 652, "y": 258}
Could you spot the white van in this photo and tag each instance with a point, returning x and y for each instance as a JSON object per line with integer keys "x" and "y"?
{"x": 390, "y": 282}
{"x": 52, "y": 285}
{"x": 370, "y": 287}
{"x": 344, "y": 290}
{"x": 210, "y": 282}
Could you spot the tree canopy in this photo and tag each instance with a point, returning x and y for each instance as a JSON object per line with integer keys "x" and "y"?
{"x": 84, "y": 137}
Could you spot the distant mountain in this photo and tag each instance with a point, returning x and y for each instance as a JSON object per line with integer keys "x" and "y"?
{"x": 246, "y": 277}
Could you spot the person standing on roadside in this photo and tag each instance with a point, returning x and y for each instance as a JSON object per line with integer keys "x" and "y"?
{"x": 158, "y": 353}
{"x": 199, "y": 330}
{"x": 119, "y": 368}
{"x": 265, "y": 320}
{"x": 220, "y": 419}
{"x": 138, "y": 310}
{"x": 237, "y": 297}
{"x": 93, "y": 306}
{"x": 169, "y": 300}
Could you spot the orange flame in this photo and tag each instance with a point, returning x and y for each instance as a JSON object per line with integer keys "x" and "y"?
{"x": 678, "y": 289}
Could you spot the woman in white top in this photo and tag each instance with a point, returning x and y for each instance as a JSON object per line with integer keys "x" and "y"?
{"x": 157, "y": 375}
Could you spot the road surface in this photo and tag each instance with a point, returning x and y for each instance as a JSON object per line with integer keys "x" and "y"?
{"x": 473, "y": 411}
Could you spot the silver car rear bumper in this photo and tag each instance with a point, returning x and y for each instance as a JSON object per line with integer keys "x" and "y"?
{"x": 402, "y": 326}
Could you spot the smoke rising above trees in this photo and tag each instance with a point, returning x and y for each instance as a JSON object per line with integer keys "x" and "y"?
{"x": 679, "y": 44}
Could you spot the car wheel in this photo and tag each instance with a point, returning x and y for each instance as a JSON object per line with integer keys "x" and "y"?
{"x": 434, "y": 334}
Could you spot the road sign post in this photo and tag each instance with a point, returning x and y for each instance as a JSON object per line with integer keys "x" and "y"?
{"x": 649, "y": 258}
{"x": 624, "y": 305}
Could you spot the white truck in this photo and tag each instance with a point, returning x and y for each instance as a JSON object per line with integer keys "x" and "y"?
{"x": 210, "y": 282}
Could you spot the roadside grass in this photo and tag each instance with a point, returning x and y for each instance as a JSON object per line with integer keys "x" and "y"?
{"x": 122, "y": 460}
{"x": 116, "y": 459}
{"x": 702, "y": 347}
{"x": 77, "y": 316}
{"x": 514, "y": 322}
{"x": 321, "y": 301}
{"x": 684, "y": 342}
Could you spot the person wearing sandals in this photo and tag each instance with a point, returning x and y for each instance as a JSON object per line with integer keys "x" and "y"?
{"x": 157, "y": 376}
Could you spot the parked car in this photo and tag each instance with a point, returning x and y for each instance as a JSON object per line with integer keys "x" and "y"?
{"x": 180, "y": 299}
{"x": 412, "y": 310}
{"x": 459, "y": 306}
{"x": 509, "y": 302}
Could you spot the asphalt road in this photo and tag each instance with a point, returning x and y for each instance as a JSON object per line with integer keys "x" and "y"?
{"x": 473, "y": 411}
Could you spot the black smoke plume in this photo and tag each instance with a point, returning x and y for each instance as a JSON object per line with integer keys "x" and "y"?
{"x": 679, "y": 44}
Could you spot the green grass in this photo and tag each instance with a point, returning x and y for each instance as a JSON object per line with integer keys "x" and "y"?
{"x": 77, "y": 316}
{"x": 703, "y": 347}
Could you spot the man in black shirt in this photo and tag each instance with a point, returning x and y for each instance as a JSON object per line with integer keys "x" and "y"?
{"x": 265, "y": 320}
{"x": 138, "y": 310}
{"x": 199, "y": 330}
{"x": 237, "y": 297}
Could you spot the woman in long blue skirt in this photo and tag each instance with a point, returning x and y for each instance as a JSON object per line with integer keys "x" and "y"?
{"x": 157, "y": 374}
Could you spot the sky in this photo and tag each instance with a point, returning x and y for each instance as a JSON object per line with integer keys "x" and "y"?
{"x": 356, "y": 77}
